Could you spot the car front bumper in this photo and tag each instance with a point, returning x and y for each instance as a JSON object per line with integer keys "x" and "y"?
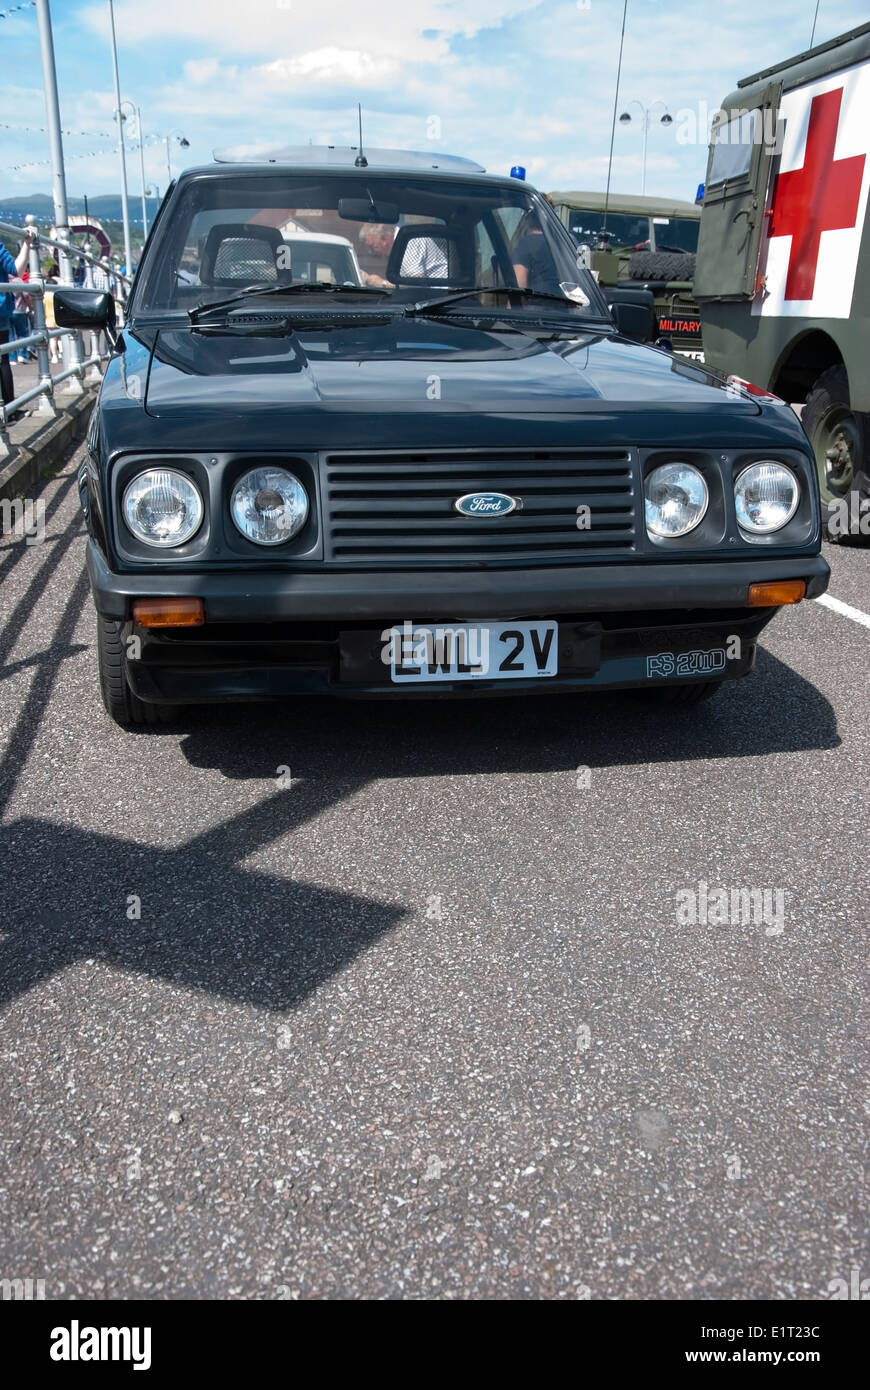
{"x": 268, "y": 634}
{"x": 239, "y": 595}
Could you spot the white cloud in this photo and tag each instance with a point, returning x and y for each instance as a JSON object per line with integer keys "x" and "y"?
{"x": 267, "y": 26}
{"x": 511, "y": 81}
{"x": 333, "y": 65}
{"x": 201, "y": 71}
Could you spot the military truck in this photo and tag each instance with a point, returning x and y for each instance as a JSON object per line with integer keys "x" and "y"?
{"x": 648, "y": 244}
{"x": 783, "y": 266}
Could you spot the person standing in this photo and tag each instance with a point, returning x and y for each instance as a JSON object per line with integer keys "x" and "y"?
{"x": 51, "y": 278}
{"x": 22, "y": 322}
{"x": 10, "y": 269}
{"x": 97, "y": 279}
{"x": 375, "y": 243}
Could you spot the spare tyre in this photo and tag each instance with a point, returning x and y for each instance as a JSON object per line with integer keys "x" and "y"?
{"x": 661, "y": 265}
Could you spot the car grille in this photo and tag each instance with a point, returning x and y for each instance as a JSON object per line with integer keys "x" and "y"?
{"x": 399, "y": 506}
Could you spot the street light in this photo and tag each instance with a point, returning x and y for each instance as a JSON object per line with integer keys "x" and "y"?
{"x": 137, "y": 114}
{"x": 184, "y": 143}
{"x": 179, "y": 139}
{"x": 119, "y": 117}
{"x": 666, "y": 119}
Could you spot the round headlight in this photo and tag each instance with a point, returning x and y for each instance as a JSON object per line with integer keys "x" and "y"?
{"x": 766, "y": 496}
{"x": 162, "y": 507}
{"x": 676, "y": 499}
{"x": 269, "y": 505}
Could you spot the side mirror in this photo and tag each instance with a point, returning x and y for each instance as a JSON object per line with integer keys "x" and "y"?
{"x": 633, "y": 312}
{"x": 88, "y": 309}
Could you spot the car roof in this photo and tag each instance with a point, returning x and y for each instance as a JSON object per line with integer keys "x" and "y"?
{"x": 842, "y": 52}
{"x": 346, "y": 157}
{"x": 230, "y": 164}
{"x": 823, "y": 63}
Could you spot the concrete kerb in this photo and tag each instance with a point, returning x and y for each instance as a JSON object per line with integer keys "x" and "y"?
{"x": 40, "y": 443}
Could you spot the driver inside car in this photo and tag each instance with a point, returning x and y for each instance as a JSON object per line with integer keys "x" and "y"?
{"x": 532, "y": 258}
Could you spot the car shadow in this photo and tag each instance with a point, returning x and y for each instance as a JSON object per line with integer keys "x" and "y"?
{"x": 774, "y": 710}
{"x": 193, "y": 916}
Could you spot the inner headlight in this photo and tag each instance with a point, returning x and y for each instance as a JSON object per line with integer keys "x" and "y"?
{"x": 676, "y": 499}
{"x": 766, "y": 496}
{"x": 269, "y": 505}
{"x": 162, "y": 507}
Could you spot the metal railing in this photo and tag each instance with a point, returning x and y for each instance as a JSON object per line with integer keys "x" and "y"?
{"x": 76, "y": 366}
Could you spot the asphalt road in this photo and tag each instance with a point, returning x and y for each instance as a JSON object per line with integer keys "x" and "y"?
{"x": 427, "y": 1021}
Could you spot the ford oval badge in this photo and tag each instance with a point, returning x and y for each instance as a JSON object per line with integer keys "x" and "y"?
{"x": 486, "y": 504}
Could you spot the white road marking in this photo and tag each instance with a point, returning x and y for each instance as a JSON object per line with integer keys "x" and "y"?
{"x": 844, "y": 609}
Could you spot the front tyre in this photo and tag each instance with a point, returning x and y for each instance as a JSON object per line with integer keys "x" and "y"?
{"x": 840, "y": 437}
{"x": 125, "y": 708}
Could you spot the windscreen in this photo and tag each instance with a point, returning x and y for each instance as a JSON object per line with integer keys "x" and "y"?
{"x": 677, "y": 233}
{"x": 409, "y": 238}
{"x": 625, "y": 231}
{"x": 631, "y": 232}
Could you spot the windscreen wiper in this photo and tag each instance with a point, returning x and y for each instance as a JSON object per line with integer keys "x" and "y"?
{"x": 312, "y": 287}
{"x": 428, "y": 306}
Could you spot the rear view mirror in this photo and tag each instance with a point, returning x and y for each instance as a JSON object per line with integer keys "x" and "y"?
{"x": 366, "y": 210}
{"x": 88, "y": 309}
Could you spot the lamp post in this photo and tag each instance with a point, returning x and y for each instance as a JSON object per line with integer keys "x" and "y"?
{"x": 70, "y": 343}
{"x": 137, "y": 115}
{"x": 626, "y": 119}
{"x": 55, "y": 143}
{"x": 119, "y": 117}
{"x": 182, "y": 141}
{"x": 142, "y": 176}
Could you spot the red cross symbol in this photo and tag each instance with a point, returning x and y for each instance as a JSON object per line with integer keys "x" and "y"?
{"x": 821, "y": 197}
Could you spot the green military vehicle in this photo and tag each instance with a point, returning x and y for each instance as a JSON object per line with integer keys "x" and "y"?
{"x": 648, "y": 244}
{"x": 783, "y": 266}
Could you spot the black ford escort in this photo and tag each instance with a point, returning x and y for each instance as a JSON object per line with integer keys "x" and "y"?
{"x": 371, "y": 429}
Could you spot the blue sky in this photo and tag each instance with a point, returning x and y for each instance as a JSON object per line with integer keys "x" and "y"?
{"x": 502, "y": 81}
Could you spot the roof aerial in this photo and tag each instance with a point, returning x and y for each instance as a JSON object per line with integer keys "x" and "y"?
{"x": 344, "y": 157}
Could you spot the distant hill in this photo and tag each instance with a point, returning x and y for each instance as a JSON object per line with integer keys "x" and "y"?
{"x": 107, "y": 207}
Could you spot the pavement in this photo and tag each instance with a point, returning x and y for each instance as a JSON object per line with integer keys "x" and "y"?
{"x": 39, "y": 440}
{"x": 24, "y": 376}
{"x": 356, "y": 1000}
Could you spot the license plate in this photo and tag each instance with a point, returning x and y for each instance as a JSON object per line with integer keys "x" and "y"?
{"x": 420, "y": 653}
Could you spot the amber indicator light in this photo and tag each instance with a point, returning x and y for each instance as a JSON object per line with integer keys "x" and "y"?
{"x": 169, "y": 612}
